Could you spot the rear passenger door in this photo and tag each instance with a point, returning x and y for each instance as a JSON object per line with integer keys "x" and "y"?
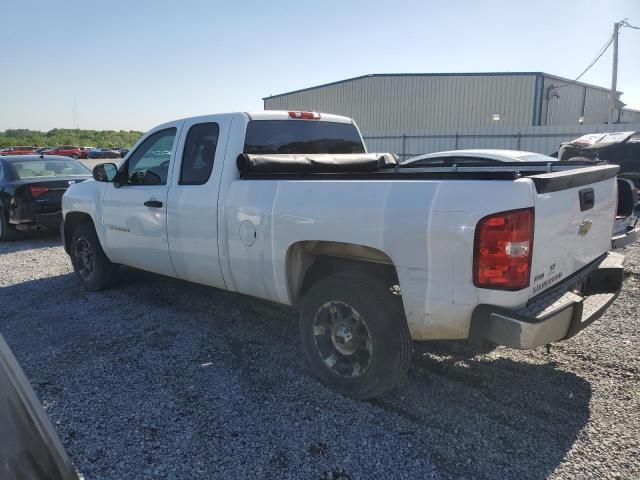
{"x": 192, "y": 212}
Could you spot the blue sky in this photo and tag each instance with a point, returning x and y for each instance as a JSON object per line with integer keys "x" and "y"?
{"x": 133, "y": 64}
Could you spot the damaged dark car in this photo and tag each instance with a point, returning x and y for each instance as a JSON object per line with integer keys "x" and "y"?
{"x": 31, "y": 189}
{"x": 618, "y": 148}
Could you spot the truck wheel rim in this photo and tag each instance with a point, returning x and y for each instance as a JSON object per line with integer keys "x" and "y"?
{"x": 84, "y": 258}
{"x": 342, "y": 339}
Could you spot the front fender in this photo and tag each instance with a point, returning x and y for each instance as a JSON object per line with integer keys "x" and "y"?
{"x": 86, "y": 197}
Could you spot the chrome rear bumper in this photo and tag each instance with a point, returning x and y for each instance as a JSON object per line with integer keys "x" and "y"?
{"x": 554, "y": 315}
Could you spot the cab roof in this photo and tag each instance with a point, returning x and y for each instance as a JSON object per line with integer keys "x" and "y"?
{"x": 263, "y": 115}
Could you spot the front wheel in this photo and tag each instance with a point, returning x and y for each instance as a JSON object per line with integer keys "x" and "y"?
{"x": 355, "y": 335}
{"x": 74, "y": 156}
{"x": 91, "y": 265}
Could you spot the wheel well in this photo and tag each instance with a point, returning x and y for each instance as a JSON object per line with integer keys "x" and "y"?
{"x": 71, "y": 221}
{"x": 309, "y": 261}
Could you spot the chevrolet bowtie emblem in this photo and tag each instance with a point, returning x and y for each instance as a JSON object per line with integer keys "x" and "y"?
{"x": 584, "y": 228}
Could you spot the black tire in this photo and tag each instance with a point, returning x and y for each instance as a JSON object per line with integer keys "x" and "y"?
{"x": 91, "y": 265}
{"x": 386, "y": 358}
{"x": 74, "y": 156}
{"x": 7, "y": 232}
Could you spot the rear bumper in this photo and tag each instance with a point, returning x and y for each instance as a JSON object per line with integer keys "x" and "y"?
{"x": 38, "y": 221}
{"x": 555, "y": 315}
{"x": 624, "y": 239}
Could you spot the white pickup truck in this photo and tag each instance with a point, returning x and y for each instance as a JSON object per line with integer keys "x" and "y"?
{"x": 289, "y": 207}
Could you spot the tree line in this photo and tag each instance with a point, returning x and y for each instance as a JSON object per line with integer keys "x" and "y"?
{"x": 68, "y": 136}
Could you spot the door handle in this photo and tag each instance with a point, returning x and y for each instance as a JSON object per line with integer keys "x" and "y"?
{"x": 153, "y": 204}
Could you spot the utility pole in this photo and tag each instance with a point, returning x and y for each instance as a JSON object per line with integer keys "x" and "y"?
{"x": 614, "y": 73}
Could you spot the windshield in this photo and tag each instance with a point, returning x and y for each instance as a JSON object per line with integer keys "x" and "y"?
{"x": 301, "y": 136}
{"x": 43, "y": 168}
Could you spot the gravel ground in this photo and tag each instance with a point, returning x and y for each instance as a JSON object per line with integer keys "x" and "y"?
{"x": 164, "y": 379}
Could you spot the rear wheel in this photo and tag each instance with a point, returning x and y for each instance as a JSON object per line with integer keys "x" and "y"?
{"x": 74, "y": 156}
{"x": 7, "y": 232}
{"x": 91, "y": 265}
{"x": 355, "y": 335}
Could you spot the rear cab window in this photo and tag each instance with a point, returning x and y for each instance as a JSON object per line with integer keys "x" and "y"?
{"x": 199, "y": 154}
{"x": 264, "y": 137}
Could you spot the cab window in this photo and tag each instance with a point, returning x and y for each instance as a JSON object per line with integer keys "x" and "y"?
{"x": 199, "y": 154}
{"x": 149, "y": 164}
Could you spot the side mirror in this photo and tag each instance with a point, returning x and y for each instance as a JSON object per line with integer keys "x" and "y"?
{"x": 105, "y": 172}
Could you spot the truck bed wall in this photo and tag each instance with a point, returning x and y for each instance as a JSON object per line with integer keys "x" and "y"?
{"x": 426, "y": 228}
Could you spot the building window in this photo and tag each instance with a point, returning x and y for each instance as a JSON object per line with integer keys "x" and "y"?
{"x": 495, "y": 117}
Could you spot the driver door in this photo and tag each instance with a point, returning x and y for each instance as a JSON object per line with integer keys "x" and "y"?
{"x": 135, "y": 206}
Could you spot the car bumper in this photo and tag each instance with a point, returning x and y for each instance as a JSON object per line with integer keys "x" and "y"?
{"x": 555, "y": 315}
{"x": 38, "y": 221}
{"x": 624, "y": 239}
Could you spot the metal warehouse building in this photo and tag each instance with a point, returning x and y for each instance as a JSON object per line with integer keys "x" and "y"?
{"x": 420, "y": 101}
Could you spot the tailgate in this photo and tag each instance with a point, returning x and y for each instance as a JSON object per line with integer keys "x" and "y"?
{"x": 574, "y": 215}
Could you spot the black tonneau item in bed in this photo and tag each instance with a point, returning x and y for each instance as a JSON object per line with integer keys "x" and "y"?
{"x": 547, "y": 177}
{"x": 317, "y": 163}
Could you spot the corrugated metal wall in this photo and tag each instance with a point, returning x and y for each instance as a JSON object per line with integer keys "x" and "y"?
{"x": 563, "y": 105}
{"x": 630, "y": 116}
{"x": 545, "y": 139}
{"x": 597, "y": 106}
{"x": 420, "y": 101}
{"x": 391, "y": 102}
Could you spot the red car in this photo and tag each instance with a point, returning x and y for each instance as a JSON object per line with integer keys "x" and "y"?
{"x": 65, "y": 151}
{"x": 84, "y": 151}
{"x": 17, "y": 151}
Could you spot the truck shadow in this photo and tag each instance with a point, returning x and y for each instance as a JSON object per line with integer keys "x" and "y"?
{"x": 502, "y": 418}
{"x": 221, "y": 363}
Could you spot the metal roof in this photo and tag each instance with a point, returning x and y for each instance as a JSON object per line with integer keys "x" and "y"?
{"x": 441, "y": 74}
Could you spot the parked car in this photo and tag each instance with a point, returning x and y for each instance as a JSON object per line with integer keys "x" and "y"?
{"x": 29, "y": 446}
{"x": 19, "y": 150}
{"x": 287, "y": 206}
{"x": 84, "y": 152}
{"x": 123, "y": 152}
{"x": 65, "y": 151}
{"x": 626, "y": 227}
{"x": 31, "y": 189}
{"x": 477, "y": 157}
{"x": 103, "y": 153}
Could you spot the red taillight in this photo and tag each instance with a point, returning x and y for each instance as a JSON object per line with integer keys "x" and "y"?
{"x": 305, "y": 115}
{"x": 37, "y": 190}
{"x": 502, "y": 250}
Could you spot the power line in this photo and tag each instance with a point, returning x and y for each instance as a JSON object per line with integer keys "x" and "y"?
{"x": 603, "y": 49}
{"x": 624, "y": 23}
{"x": 601, "y": 52}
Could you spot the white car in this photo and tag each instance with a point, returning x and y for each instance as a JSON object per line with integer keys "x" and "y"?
{"x": 289, "y": 207}
{"x": 478, "y": 156}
